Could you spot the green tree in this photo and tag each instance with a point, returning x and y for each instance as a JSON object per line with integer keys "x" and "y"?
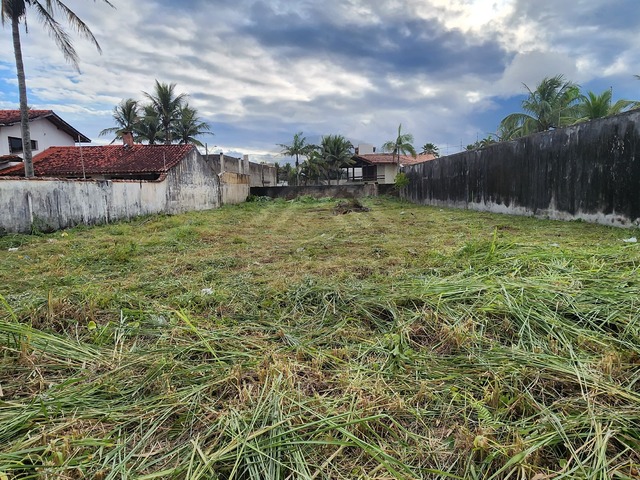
{"x": 298, "y": 147}
{"x": 126, "y": 117}
{"x": 188, "y": 126}
{"x": 430, "y": 149}
{"x": 167, "y": 106}
{"x": 401, "y": 145}
{"x": 336, "y": 152}
{"x": 593, "y": 106}
{"x": 148, "y": 128}
{"x": 15, "y": 12}
{"x": 551, "y": 105}
{"x": 314, "y": 168}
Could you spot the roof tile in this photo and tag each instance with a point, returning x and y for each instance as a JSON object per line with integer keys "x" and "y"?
{"x": 9, "y": 117}
{"x": 107, "y": 159}
{"x": 386, "y": 158}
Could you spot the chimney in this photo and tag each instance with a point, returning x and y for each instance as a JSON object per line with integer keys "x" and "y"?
{"x": 127, "y": 139}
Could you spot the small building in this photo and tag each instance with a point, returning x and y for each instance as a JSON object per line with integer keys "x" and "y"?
{"x": 380, "y": 167}
{"x": 100, "y": 184}
{"x": 47, "y": 130}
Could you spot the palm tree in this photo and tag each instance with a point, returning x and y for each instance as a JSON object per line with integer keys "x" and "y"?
{"x": 430, "y": 149}
{"x": 401, "y": 145}
{"x": 298, "y": 147}
{"x": 314, "y": 167}
{"x": 336, "y": 152}
{"x": 167, "y": 105}
{"x": 15, "y": 11}
{"x": 148, "y": 128}
{"x": 188, "y": 126}
{"x": 126, "y": 117}
{"x": 597, "y": 106}
{"x": 551, "y": 105}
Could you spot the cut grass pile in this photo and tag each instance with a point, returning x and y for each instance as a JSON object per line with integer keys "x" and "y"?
{"x": 276, "y": 340}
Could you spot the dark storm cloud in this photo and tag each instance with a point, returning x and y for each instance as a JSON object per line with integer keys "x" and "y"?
{"x": 404, "y": 45}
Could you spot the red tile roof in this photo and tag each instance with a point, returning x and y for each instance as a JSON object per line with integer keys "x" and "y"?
{"x": 11, "y": 117}
{"x": 105, "y": 160}
{"x": 386, "y": 158}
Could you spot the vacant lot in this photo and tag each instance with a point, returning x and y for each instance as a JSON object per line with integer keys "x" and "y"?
{"x": 277, "y": 340}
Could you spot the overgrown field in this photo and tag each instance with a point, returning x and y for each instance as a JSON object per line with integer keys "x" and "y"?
{"x": 276, "y": 340}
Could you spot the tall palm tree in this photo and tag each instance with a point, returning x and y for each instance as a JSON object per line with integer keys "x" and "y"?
{"x": 401, "y": 145}
{"x": 551, "y": 105}
{"x": 167, "y": 105}
{"x": 15, "y": 12}
{"x": 148, "y": 128}
{"x": 298, "y": 147}
{"x": 430, "y": 149}
{"x": 597, "y": 106}
{"x": 188, "y": 126}
{"x": 126, "y": 117}
{"x": 337, "y": 152}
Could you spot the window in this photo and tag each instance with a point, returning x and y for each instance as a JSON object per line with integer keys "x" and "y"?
{"x": 15, "y": 145}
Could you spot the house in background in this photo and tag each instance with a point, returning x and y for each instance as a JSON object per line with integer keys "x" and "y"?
{"x": 47, "y": 130}
{"x": 101, "y": 184}
{"x": 372, "y": 167}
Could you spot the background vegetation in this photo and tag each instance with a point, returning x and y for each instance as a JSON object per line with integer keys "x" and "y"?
{"x": 278, "y": 340}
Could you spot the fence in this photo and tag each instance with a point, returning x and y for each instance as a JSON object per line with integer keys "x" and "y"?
{"x": 589, "y": 171}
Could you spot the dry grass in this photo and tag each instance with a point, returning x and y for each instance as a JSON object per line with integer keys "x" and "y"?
{"x": 279, "y": 340}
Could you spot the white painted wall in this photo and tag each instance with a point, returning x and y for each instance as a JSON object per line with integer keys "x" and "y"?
{"x": 390, "y": 171}
{"x": 42, "y": 130}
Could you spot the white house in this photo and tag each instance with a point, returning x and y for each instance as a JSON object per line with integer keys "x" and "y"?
{"x": 382, "y": 168}
{"x": 47, "y": 130}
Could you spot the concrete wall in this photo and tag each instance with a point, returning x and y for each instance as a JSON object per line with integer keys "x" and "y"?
{"x": 42, "y": 130}
{"x": 234, "y": 188}
{"x": 389, "y": 172}
{"x": 262, "y": 175}
{"x": 53, "y": 204}
{"x": 590, "y": 171}
{"x": 317, "y": 191}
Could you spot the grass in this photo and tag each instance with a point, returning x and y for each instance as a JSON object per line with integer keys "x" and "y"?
{"x": 276, "y": 340}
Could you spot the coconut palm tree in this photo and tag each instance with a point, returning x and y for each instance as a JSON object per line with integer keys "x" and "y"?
{"x": 167, "y": 105}
{"x": 551, "y": 105}
{"x": 15, "y": 12}
{"x": 597, "y": 106}
{"x": 401, "y": 145}
{"x": 188, "y": 126}
{"x": 430, "y": 149}
{"x": 336, "y": 152}
{"x": 314, "y": 167}
{"x": 126, "y": 117}
{"x": 148, "y": 128}
{"x": 298, "y": 147}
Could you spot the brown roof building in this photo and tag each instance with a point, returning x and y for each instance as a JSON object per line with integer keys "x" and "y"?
{"x": 140, "y": 162}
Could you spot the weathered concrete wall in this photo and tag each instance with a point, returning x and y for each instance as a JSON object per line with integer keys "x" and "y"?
{"x": 590, "y": 171}
{"x": 317, "y": 191}
{"x": 53, "y": 204}
{"x": 234, "y": 188}
{"x": 262, "y": 175}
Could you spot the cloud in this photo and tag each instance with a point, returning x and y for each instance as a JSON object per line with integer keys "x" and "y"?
{"x": 260, "y": 70}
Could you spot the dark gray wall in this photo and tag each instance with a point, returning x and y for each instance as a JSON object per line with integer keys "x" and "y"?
{"x": 589, "y": 171}
{"x": 318, "y": 191}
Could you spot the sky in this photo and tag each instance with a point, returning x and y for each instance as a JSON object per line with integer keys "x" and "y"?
{"x": 258, "y": 71}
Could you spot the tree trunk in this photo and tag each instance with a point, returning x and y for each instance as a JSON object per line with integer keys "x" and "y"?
{"x": 297, "y": 171}
{"x": 27, "y": 155}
